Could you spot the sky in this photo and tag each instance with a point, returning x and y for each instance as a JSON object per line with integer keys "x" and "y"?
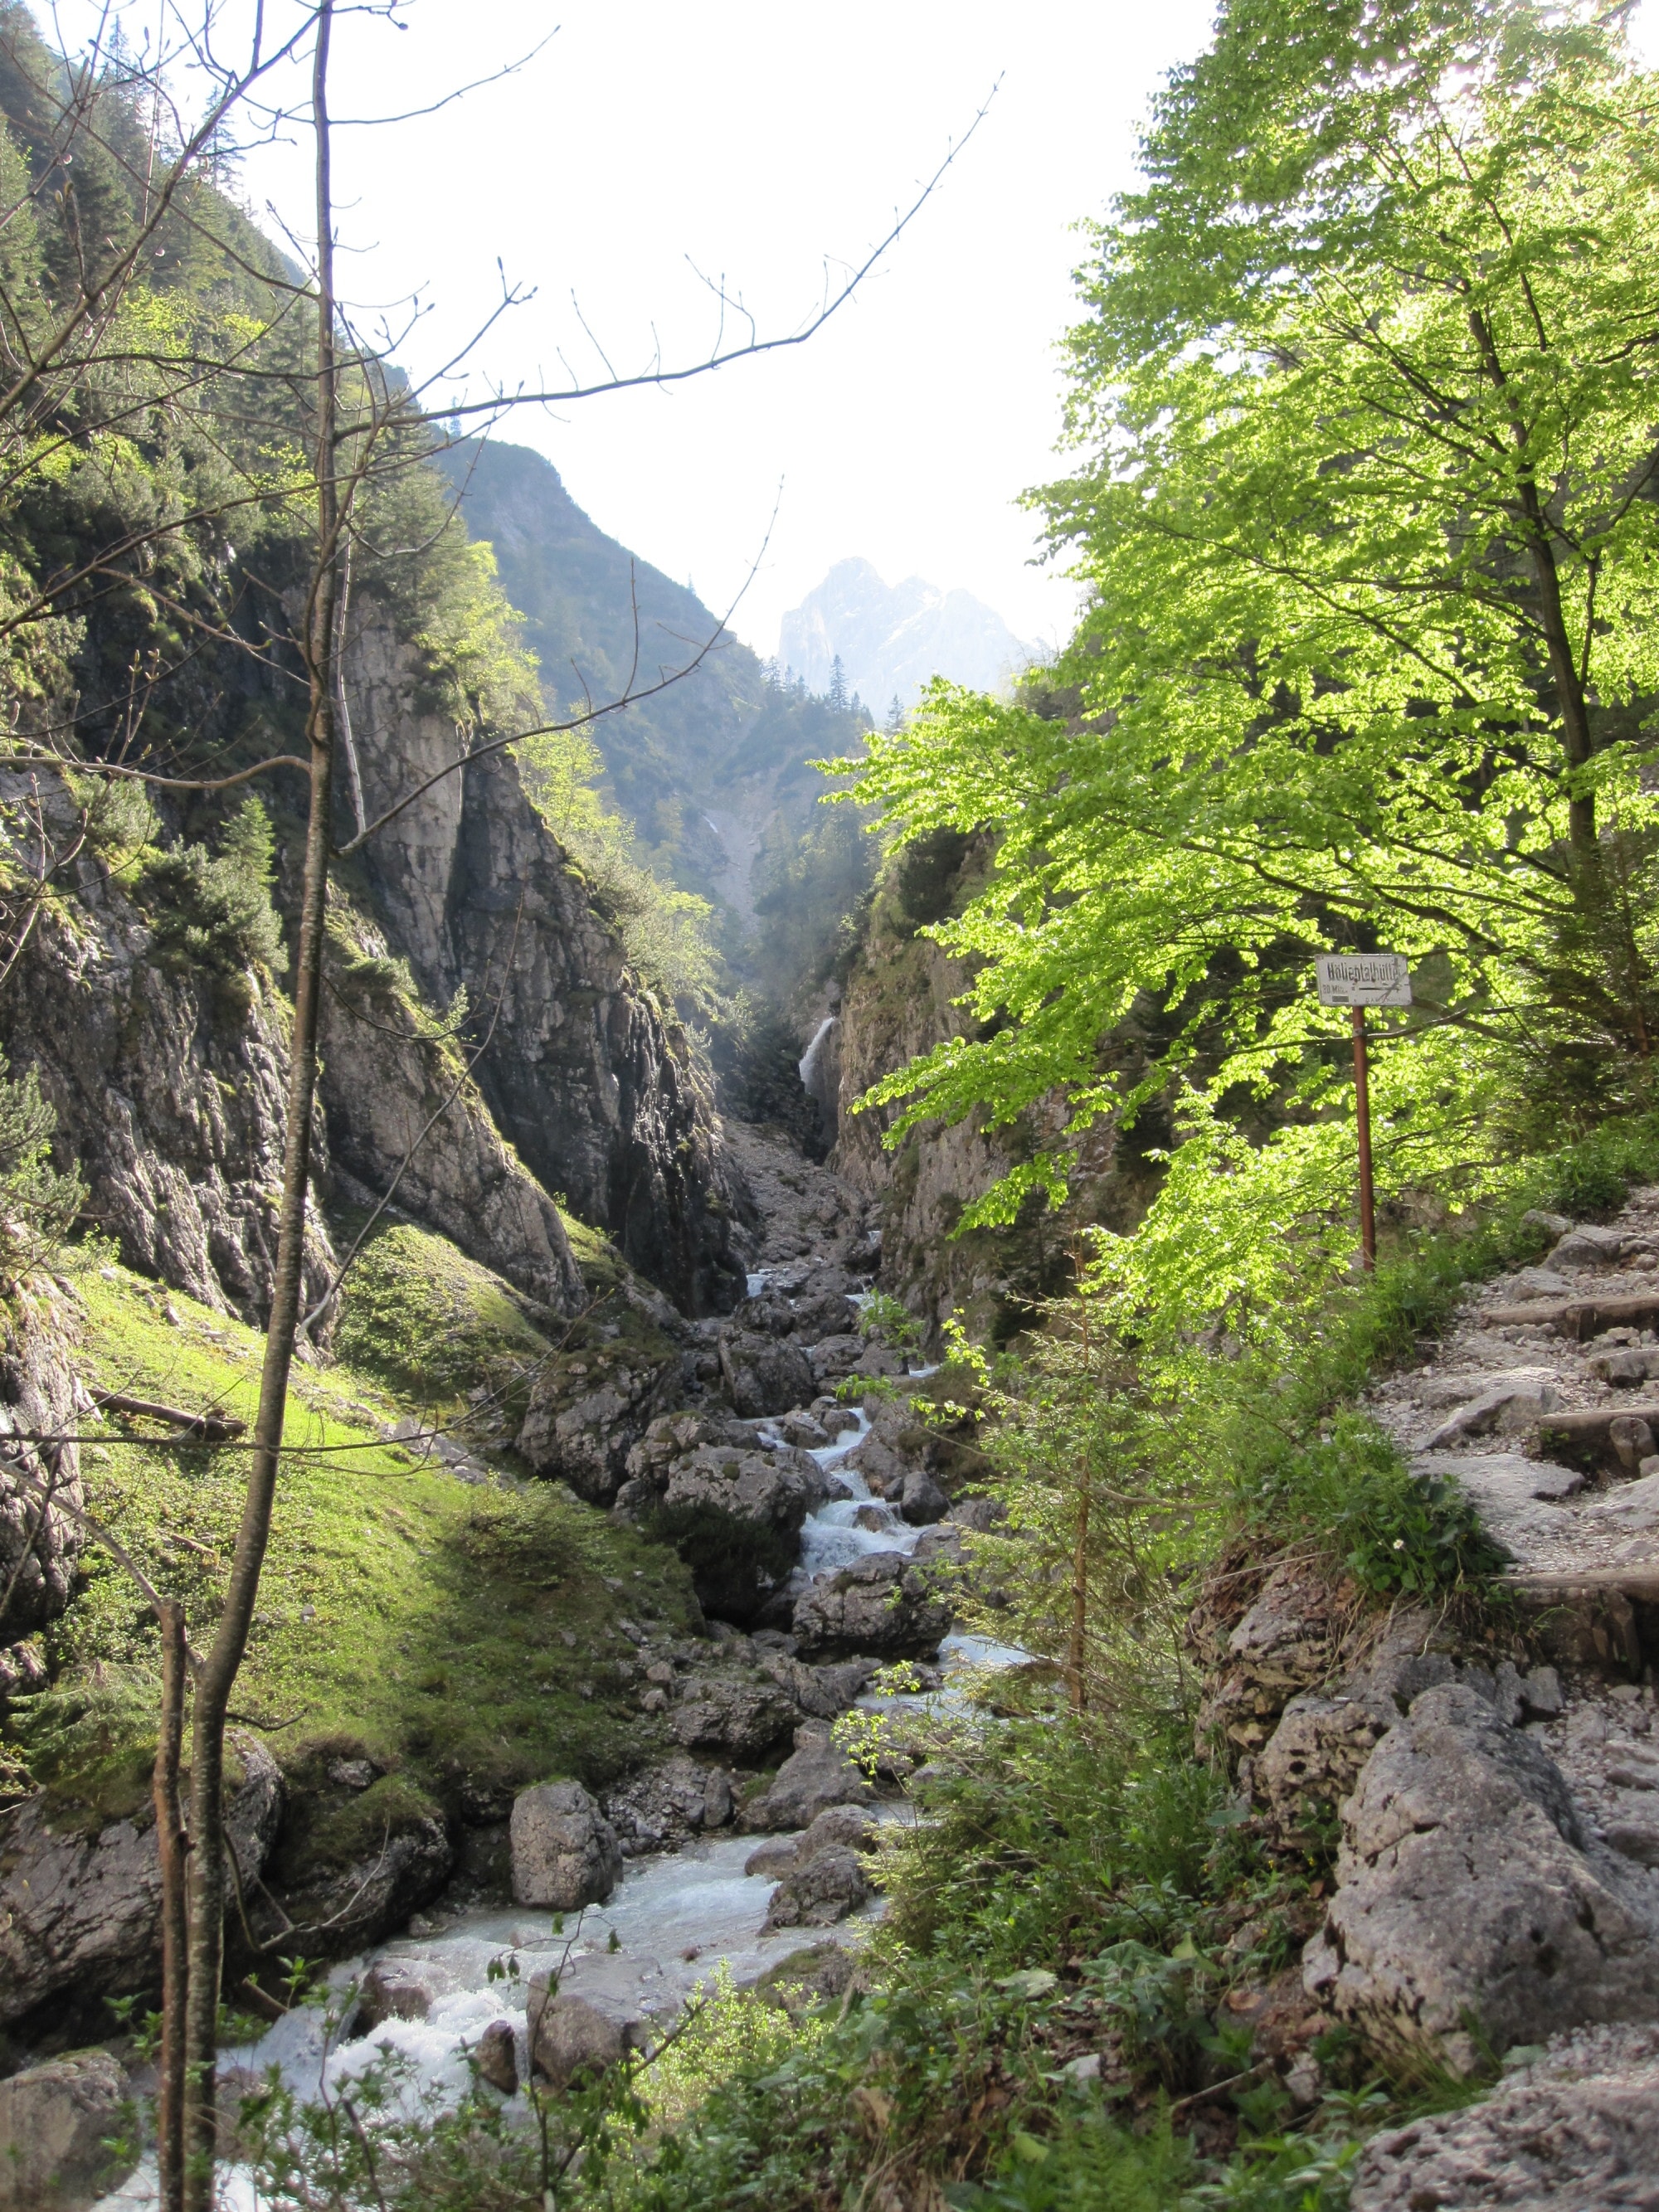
{"x": 770, "y": 142}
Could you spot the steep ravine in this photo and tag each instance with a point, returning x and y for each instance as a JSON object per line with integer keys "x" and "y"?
{"x": 763, "y": 1819}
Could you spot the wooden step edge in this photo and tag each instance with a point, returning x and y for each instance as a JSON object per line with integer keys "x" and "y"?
{"x": 1586, "y": 1420}
{"x": 1641, "y": 1582}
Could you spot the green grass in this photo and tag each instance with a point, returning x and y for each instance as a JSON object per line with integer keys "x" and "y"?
{"x": 425, "y": 1321}
{"x": 400, "y": 1610}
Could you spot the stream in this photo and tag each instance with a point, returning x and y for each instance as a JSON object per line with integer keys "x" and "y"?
{"x": 675, "y": 1919}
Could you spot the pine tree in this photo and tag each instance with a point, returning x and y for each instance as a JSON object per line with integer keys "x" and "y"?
{"x": 837, "y": 686}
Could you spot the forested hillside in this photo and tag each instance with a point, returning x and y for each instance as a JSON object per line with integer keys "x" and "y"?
{"x": 1060, "y": 1623}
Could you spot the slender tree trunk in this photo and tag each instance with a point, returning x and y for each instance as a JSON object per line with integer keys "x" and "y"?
{"x": 1077, "y": 1644}
{"x": 209, "y": 1887}
{"x": 1576, "y": 739}
{"x": 171, "y": 1841}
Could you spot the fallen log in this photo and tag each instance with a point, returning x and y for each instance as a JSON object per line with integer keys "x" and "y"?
{"x": 213, "y": 1428}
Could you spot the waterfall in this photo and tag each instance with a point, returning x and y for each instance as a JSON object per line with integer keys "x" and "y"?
{"x": 820, "y": 1073}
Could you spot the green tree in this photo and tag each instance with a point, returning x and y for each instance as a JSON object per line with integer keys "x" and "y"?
{"x": 1366, "y": 395}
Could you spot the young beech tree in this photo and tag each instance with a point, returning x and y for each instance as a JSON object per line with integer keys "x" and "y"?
{"x": 1367, "y": 391}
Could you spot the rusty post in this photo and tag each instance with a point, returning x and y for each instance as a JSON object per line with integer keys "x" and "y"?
{"x": 1363, "y": 1097}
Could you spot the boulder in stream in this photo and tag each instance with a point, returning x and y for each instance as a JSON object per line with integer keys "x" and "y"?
{"x": 571, "y": 2039}
{"x": 56, "y": 2122}
{"x": 885, "y": 1603}
{"x": 820, "y": 1891}
{"x": 565, "y": 1852}
{"x": 816, "y": 1774}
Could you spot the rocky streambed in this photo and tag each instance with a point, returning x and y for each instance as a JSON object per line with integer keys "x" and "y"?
{"x": 815, "y": 1526}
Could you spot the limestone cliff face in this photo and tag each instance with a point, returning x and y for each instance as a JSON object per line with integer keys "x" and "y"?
{"x": 595, "y": 1091}
{"x": 40, "y": 1540}
{"x": 401, "y": 1109}
{"x": 899, "y": 1001}
{"x": 168, "y": 1088}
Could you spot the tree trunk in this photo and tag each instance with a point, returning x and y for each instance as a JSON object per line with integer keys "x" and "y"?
{"x": 172, "y": 1845}
{"x": 1077, "y": 1641}
{"x": 209, "y": 1889}
{"x": 1576, "y": 738}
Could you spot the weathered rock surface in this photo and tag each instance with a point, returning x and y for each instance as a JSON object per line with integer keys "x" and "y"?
{"x": 55, "y": 2121}
{"x": 740, "y": 1713}
{"x": 39, "y": 1542}
{"x": 595, "y": 1091}
{"x": 884, "y": 1603}
{"x": 1468, "y": 1888}
{"x": 668, "y": 1802}
{"x": 763, "y": 1373}
{"x": 817, "y": 1775}
{"x": 1577, "y": 2131}
{"x": 383, "y": 1082}
{"x": 572, "y": 2040}
{"x": 79, "y": 1914}
{"x": 565, "y": 1852}
{"x": 588, "y": 1410}
{"x": 170, "y": 1096}
{"x": 819, "y": 1890}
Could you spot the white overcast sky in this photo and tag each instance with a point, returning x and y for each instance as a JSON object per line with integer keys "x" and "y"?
{"x": 764, "y": 139}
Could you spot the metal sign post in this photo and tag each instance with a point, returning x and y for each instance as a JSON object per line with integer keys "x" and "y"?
{"x": 1359, "y": 980}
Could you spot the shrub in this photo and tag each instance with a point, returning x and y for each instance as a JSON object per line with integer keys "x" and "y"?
{"x": 215, "y": 911}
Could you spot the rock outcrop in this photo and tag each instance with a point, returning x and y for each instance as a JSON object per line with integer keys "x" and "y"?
{"x": 598, "y": 1094}
{"x": 169, "y": 1090}
{"x": 1471, "y": 1905}
{"x": 79, "y": 1913}
{"x": 57, "y": 2121}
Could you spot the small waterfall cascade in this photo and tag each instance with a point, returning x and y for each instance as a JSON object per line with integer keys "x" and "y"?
{"x": 820, "y": 1073}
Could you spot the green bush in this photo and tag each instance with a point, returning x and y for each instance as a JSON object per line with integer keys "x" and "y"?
{"x": 37, "y": 1203}
{"x": 214, "y": 911}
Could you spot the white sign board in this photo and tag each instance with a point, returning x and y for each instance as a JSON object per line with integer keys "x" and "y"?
{"x": 1363, "y": 979}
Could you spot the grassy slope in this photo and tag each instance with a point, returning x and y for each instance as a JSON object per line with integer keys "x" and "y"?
{"x": 464, "y": 1635}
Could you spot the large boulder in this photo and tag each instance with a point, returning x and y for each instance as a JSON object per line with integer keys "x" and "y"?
{"x": 819, "y": 1891}
{"x": 817, "y": 1775}
{"x": 565, "y": 1852}
{"x": 765, "y": 1374}
{"x": 57, "y": 2121}
{"x": 1470, "y": 1894}
{"x": 572, "y": 2040}
{"x": 79, "y": 1912}
{"x": 731, "y": 1509}
{"x": 1576, "y": 2131}
{"x": 742, "y": 1714}
{"x": 884, "y": 1603}
{"x": 590, "y": 1405}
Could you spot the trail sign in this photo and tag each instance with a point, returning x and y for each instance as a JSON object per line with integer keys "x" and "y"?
{"x": 1361, "y": 979}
